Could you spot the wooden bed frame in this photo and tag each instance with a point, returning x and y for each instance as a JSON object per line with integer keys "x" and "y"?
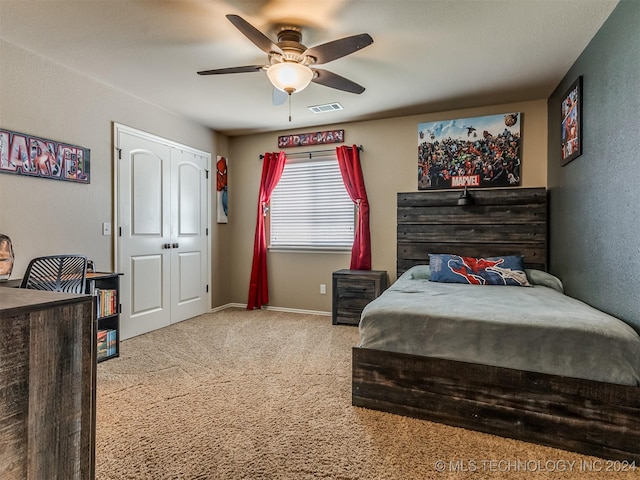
{"x": 588, "y": 417}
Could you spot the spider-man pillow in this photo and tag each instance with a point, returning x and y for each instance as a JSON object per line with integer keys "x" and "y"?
{"x": 508, "y": 270}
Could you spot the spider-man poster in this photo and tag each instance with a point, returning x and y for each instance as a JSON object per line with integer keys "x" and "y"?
{"x": 222, "y": 193}
{"x": 474, "y": 152}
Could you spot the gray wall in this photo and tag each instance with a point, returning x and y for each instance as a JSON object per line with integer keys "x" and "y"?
{"x": 594, "y": 200}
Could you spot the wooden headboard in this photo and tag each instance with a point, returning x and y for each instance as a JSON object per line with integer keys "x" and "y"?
{"x": 510, "y": 221}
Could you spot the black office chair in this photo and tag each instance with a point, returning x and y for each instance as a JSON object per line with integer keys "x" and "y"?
{"x": 57, "y": 273}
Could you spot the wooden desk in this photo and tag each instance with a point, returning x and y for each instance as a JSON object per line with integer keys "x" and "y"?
{"x": 47, "y": 385}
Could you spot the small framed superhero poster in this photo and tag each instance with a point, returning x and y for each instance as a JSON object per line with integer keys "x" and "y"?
{"x": 572, "y": 122}
{"x": 222, "y": 193}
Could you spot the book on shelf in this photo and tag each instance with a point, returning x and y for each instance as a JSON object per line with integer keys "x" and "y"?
{"x": 107, "y": 301}
{"x": 102, "y": 344}
{"x": 111, "y": 342}
{"x": 107, "y": 343}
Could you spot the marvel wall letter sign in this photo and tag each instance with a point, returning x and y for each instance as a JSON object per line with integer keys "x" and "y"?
{"x": 23, "y": 154}
{"x": 470, "y": 152}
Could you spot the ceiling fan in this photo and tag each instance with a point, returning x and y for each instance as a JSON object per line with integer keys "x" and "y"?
{"x": 292, "y": 65}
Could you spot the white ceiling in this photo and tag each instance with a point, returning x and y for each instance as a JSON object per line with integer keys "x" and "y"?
{"x": 427, "y": 55}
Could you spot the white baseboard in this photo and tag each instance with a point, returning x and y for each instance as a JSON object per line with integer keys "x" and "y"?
{"x": 228, "y": 305}
{"x": 275, "y": 309}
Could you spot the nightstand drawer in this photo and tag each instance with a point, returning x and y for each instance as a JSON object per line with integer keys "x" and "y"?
{"x": 353, "y": 290}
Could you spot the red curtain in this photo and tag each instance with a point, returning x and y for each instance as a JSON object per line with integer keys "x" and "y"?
{"x": 272, "y": 167}
{"x": 349, "y": 161}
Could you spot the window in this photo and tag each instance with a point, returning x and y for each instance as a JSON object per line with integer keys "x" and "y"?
{"x": 310, "y": 207}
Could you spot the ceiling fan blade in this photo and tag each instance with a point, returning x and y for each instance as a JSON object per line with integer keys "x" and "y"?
{"x": 333, "y": 80}
{"x": 221, "y": 71}
{"x": 339, "y": 48}
{"x": 256, "y": 36}
{"x": 279, "y": 97}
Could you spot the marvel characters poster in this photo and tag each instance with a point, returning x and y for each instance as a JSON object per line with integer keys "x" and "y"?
{"x": 475, "y": 152}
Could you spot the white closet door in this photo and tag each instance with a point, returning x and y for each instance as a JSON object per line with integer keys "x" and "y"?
{"x": 189, "y": 214}
{"x": 162, "y": 243}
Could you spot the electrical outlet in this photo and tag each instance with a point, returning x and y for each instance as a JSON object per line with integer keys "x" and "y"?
{"x": 323, "y": 289}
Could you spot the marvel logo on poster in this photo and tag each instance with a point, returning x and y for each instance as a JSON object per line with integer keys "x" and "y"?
{"x": 23, "y": 154}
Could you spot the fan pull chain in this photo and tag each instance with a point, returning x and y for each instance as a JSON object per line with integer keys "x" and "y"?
{"x": 289, "y": 107}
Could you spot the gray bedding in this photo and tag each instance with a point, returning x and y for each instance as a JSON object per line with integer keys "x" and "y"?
{"x": 535, "y": 328}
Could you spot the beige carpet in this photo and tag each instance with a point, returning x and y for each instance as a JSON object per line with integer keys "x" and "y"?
{"x": 267, "y": 395}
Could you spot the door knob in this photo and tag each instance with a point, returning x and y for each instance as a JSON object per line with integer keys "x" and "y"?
{"x": 175, "y": 245}
{"x": 166, "y": 245}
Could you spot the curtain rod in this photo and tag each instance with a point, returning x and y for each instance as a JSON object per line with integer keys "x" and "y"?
{"x": 312, "y": 152}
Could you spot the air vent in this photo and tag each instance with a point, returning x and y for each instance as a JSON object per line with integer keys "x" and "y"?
{"x": 329, "y": 107}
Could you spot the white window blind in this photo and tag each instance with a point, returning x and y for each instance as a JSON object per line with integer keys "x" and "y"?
{"x": 310, "y": 207}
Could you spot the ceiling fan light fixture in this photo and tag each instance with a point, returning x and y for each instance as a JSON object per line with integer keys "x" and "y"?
{"x": 290, "y": 77}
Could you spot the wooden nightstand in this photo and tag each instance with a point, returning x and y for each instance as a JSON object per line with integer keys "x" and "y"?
{"x": 353, "y": 290}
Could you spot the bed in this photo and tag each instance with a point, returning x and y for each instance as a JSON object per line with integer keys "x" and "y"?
{"x": 576, "y": 390}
